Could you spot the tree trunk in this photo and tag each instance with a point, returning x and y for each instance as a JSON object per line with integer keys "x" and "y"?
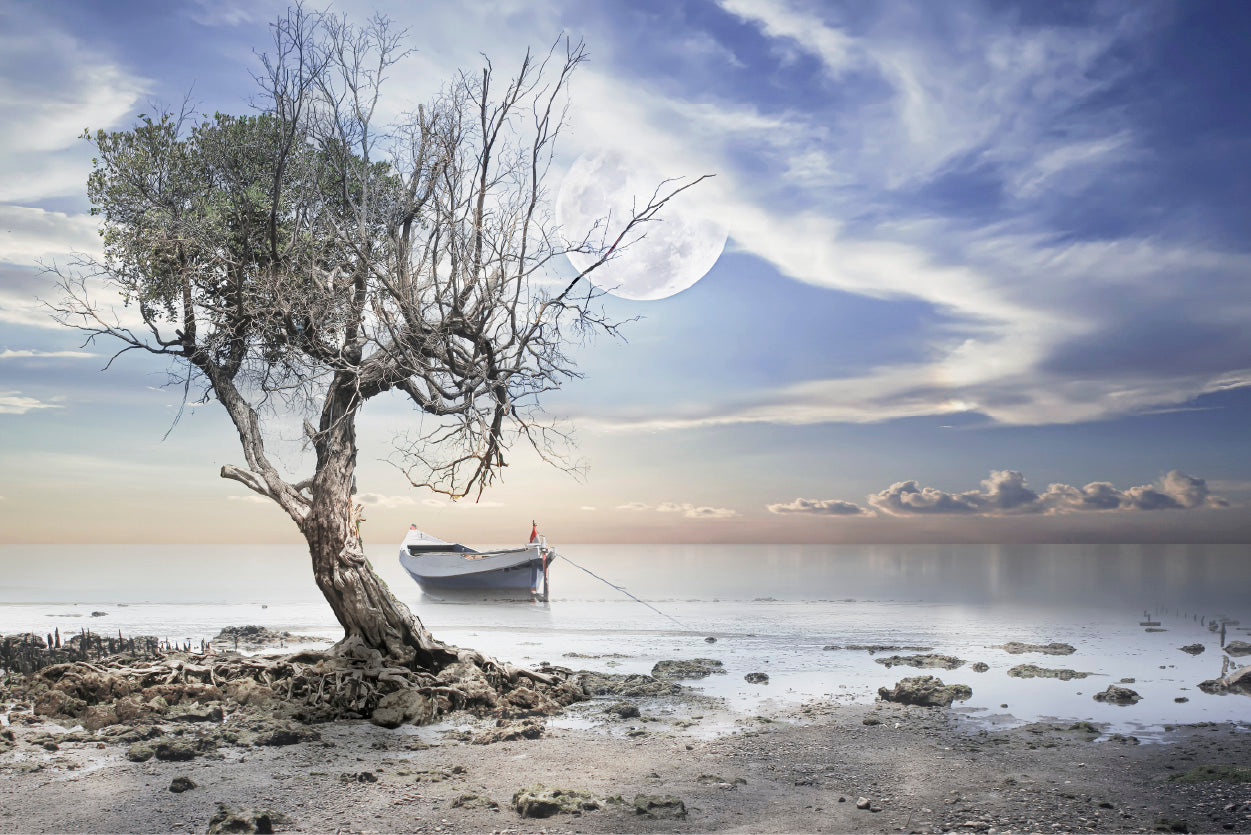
{"x": 364, "y": 606}
{"x": 361, "y": 601}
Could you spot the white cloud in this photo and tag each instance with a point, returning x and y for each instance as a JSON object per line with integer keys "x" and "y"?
{"x": 709, "y": 513}
{"x": 780, "y": 21}
{"x": 20, "y": 291}
{"x": 232, "y": 12}
{"x": 818, "y": 507}
{"x": 15, "y": 403}
{"x": 252, "y": 499}
{"x": 28, "y": 236}
{"x": 1005, "y": 493}
{"x": 986, "y": 90}
{"x": 688, "y": 510}
{"x": 52, "y": 86}
{"x": 9, "y": 354}
{"x": 405, "y": 500}
{"x": 995, "y": 95}
{"x": 379, "y": 500}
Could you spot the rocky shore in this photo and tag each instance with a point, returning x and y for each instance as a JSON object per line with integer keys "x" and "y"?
{"x": 625, "y": 753}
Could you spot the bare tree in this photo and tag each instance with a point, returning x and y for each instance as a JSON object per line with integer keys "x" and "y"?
{"x": 307, "y": 258}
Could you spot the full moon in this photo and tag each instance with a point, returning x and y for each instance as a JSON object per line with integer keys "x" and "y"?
{"x": 678, "y": 248}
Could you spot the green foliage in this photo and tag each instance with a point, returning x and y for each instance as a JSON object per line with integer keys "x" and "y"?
{"x": 237, "y": 225}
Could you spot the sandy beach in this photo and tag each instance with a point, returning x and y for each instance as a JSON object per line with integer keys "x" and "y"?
{"x": 684, "y": 764}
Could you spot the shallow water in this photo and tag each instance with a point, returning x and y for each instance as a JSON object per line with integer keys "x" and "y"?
{"x": 772, "y": 609}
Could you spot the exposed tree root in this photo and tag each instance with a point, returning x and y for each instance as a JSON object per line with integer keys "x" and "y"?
{"x": 349, "y": 681}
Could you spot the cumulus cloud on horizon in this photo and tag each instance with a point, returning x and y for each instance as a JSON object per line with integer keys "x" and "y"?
{"x": 819, "y": 507}
{"x": 1005, "y": 492}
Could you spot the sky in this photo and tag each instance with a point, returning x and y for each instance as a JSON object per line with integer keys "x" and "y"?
{"x": 986, "y": 275}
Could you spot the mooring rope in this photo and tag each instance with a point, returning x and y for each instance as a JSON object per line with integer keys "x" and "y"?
{"x": 623, "y": 591}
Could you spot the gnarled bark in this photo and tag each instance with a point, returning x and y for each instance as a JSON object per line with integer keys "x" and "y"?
{"x": 360, "y": 600}
{"x": 362, "y": 603}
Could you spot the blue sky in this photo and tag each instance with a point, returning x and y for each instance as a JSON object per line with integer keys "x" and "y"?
{"x": 986, "y": 276}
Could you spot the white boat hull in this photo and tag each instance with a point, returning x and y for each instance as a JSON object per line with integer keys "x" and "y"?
{"x": 435, "y": 564}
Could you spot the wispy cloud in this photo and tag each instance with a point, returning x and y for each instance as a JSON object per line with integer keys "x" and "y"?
{"x": 918, "y": 390}
{"x": 384, "y": 501}
{"x": 15, "y": 403}
{"x": 686, "y": 509}
{"x": 1005, "y": 492}
{"x": 231, "y": 12}
{"x": 961, "y": 88}
{"x": 10, "y": 354}
{"x": 56, "y": 86}
{"x": 818, "y": 507}
{"x": 29, "y": 235}
{"x": 252, "y": 499}
{"x": 403, "y": 500}
{"x": 898, "y": 110}
{"x": 786, "y": 25}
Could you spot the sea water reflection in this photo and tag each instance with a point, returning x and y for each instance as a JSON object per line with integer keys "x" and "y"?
{"x": 772, "y": 609}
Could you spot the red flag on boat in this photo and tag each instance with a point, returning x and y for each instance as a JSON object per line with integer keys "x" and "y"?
{"x": 412, "y": 527}
{"x": 534, "y": 531}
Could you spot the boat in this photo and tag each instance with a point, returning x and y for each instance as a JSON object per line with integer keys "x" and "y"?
{"x": 438, "y": 565}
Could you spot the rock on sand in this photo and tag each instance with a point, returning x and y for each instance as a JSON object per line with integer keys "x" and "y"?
{"x": 686, "y": 668}
{"x": 1034, "y": 671}
{"x": 227, "y": 819}
{"x": 539, "y": 801}
{"x": 1118, "y": 696}
{"x": 660, "y": 806}
{"x": 932, "y": 660}
{"x": 926, "y": 691}
{"x": 1054, "y": 648}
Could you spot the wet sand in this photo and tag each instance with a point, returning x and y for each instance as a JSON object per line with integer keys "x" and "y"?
{"x": 916, "y": 769}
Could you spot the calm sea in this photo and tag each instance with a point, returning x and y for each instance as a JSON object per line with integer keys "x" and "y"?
{"x": 772, "y": 609}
